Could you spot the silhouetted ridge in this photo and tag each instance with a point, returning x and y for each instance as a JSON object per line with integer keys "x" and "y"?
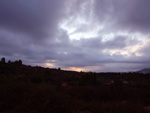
{"x": 35, "y": 89}
{"x": 146, "y": 70}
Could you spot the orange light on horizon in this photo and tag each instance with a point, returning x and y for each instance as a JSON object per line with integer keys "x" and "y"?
{"x": 49, "y": 64}
{"x": 86, "y": 68}
{"x": 75, "y": 69}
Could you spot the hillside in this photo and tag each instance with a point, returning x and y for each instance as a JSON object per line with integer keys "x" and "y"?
{"x": 35, "y": 89}
{"x": 146, "y": 70}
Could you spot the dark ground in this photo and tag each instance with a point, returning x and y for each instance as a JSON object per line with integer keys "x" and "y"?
{"x": 26, "y": 89}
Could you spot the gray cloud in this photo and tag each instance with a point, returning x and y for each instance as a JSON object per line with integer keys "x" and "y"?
{"x": 30, "y": 31}
{"x": 37, "y": 18}
{"x": 124, "y": 15}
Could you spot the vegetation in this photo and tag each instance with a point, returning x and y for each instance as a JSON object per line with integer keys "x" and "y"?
{"x": 26, "y": 89}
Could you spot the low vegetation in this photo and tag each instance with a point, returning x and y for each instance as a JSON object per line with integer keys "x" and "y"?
{"x": 27, "y": 89}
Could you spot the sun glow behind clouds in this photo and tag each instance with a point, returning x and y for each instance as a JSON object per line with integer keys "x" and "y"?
{"x": 130, "y": 49}
{"x": 50, "y": 63}
{"x": 74, "y": 69}
{"x": 85, "y": 68}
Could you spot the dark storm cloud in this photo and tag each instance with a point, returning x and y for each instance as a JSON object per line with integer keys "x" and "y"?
{"x": 125, "y": 14}
{"x": 17, "y": 46}
{"x": 27, "y": 27}
{"x": 139, "y": 16}
{"x": 30, "y": 17}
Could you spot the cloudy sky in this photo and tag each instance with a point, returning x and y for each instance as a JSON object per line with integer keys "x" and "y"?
{"x": 87, "y": 35}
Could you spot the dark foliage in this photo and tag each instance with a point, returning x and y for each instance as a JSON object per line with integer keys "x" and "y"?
{"x": 26, "y": 89}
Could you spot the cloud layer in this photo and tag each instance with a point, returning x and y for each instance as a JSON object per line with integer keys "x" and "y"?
{"x": 87, "y": 35}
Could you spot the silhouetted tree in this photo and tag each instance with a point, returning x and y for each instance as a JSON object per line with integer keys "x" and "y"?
{"x": 9, "y": 62}
{"x": 20, "y": 62}
{"x": 3, "y": 60}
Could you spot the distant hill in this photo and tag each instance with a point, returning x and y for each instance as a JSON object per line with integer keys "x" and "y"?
{"x": 146, "y": 70}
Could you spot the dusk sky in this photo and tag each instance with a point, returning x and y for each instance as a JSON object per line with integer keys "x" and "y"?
{"x": 78, "y": 35}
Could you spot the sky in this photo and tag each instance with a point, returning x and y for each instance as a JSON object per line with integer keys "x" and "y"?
{"x": 78, "y": 35}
